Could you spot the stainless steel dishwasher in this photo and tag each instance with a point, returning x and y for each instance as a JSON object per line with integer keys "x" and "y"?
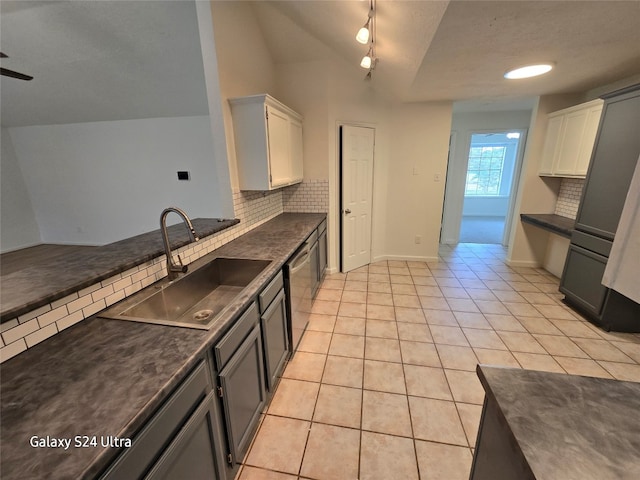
{"x": 298, "y": 288}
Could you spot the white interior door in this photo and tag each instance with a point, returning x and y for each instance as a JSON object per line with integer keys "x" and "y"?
{"x": 356, "y": 194}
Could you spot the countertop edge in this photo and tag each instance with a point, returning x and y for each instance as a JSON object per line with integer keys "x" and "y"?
{"x": 551, "y": 222}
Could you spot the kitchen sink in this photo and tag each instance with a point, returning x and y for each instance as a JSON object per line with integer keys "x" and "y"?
{"x": 196, "y": 300}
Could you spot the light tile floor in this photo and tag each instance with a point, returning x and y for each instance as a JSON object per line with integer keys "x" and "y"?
{"x": 383, "y": 385}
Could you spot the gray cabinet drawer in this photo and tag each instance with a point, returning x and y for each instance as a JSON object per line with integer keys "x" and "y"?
{"x": 150, "y": 442}
{"x": 322, "y": 227}
{"x": 270, "y": 292}
{"x": 589, "y": 242}
{"x": 275, "y": 339}
{"x": 582, "y": 279}
{"x": 313, "y": 237}
{"x": 230, "y": 342}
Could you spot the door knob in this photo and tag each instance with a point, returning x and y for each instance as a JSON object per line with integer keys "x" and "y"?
{"x": 347, "y": 211}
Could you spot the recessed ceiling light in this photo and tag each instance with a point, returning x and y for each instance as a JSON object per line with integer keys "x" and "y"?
{"x": 528, "y": 71}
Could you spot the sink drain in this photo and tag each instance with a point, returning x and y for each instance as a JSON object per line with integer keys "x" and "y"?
{"x": 202, "y": 314}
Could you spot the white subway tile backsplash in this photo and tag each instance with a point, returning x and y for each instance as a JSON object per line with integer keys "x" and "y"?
{"x": 69, "y": 320}
{"x": 12, "y": 350}
{"x": 79, "y": 303}
{"x": 111, "y": 280}
{"x": 90, "y": 289}
{"x": 116, "y": 297}
{"x": 94, "y": 308}
{"x": 20, "y": 331}
{"x": 52, "y": 316}
{"x": 122, "y": 284}
{"x": 103, "y": 292}
{"x": 34, "y": 313}
{"x": 569, "y": 197}
{"x": 65, "y": 300}
{"x": 308, "y": 196}
{"x": 9, "y": 324}
{"x": 40, "y": 335}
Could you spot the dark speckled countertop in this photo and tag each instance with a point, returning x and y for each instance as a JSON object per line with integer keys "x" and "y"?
{"x": 550, "y": 221}
{"x": 566, "y": 426}
{"x": 107, "y": 377}
{"x": 30, "y": 288}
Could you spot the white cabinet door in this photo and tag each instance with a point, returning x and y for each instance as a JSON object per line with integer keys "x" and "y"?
{"x": 588, "y": 140}
{"x": 550, "y": 149}
{"x": 279, "y": 151}
{"x": 295, "y": 133}
{"x": 570, "y": 142}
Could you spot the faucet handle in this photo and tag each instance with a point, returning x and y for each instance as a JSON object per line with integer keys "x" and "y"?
{"x": 183, "y": 268}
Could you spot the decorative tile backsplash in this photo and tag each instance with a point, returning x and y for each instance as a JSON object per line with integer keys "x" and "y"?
{"x": 569, "y": 197}
{"x": 252, "y": 208}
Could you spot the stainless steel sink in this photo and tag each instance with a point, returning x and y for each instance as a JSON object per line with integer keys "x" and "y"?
{"x": 196, "y": 300}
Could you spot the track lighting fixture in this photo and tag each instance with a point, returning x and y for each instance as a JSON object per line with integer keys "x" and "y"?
{"x": 367, "y": 35}
{"x": 363, "y": 34}
{"x": 367, "y": 59}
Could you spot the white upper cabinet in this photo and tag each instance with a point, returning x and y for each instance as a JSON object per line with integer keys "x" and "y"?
{"x": 268, "y": 138}
{"x": 571, "y": 134}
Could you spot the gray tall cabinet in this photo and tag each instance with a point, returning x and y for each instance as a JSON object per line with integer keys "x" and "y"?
{"x": 612, "y": 165}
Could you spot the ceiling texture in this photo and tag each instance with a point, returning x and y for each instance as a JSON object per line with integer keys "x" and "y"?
{"x": 93, "y": 62}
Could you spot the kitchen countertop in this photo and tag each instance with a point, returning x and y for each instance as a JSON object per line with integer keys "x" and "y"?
{"x": 58, "y": 388}
{"x": 550, "y": 221}
{"x": 33, "y": 287}
{"x": 567, "y": 426}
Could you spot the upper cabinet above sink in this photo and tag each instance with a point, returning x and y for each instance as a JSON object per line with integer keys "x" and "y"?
{"x": 268, "y": 138}
{"x": 571, "y": 134}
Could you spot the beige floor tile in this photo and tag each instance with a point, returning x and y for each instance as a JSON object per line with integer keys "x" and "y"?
{"x": 350, "y": 325}
{"x": 426, "y": 382}
{"x": 379, "y": 277}
{"x": 463, "y": 305}
{"x": 329, "y": 294}
{"x": 380, "y": 312}
{"x": 417, "y": 353}
{"x": 376, "y": 298}
{"x": 384, "y": 377}
{"x": 472, "y": 320}
{"x": 410, "y": 315}
{"x": 526, "y": 287}
{"x": 502, "y": 358}
{"x": 334, "y": 284}
{"x": 403, "y": 288}
{"x": 352, "y": 309}
{"x": 448, "y": 281}
{"x": 400, "y": 280}
{"x": 332, "y": 453}
{"x": 481, "y": 294}
{"x": 403, "y": 270}
{"x": 429, "y": 291}
{"x": 355, "y": 285}
{"x": 382, "y": 349}
{"x": 509, "y": 296}
{"x": 490, "y": 306}
{"x": 484, "y": 339}
{"x": 454, "y": 293}
{"x": 465, "y": 386}
{"x": 376, "y": 287}
{"x": 535, "y": 361}
{"x": 347, "y": 345}
{"x": 409, "y": 301}
{"x": 253, "y": 473}
{"x": 425, "y": 281}
{"x": 414, "y": 332}
{"x": 321, "y": 323}
{"x": 436, "y": 420}
{"x": 385, "y": 457}
{"x": 448, "y": 335}
{"x": 305, "y": 366}
{"x": 616, "y": 337}
{"x": 521, "y": 309}
{"x": 602, "y": 350}
{"x": 539, "y": 325}
{"x": 440, "y": 317}
{"x": 556, "y": 312}
{"x": 294, "y": 399}
{"x": 457, "y": 358}
{"x": 497, "y": 285}
{"x": 360, "y": 275}
{"x": 521, "y": 342}
{"x": 470, "y": 416}
{"x": 434, "y": 303}
{"x": 582, "y": 366}
{"x": 315, "y": 342}
{"x": 559, "y": 345}
{"x": 339, "y": 406}
{"x": 631, "y": 349}
{"x": 538, "y": 298}
{"x": 576, "y": 328}
{"x": 325, "y": 307}
{"x": 343, "y": 371}
{"x": 381, "y": 329}
{"x": 386, "y": 413}
{"x": 443, "y": 462}
{"x": 622, "y": 371}
{"x": 279, "y": 444}
{"x": 354, "y": 296}
{"x": 505, "y": 323}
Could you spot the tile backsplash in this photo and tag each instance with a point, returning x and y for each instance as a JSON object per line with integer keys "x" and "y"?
{"x": 251, "y": 208}
{"x": 569, "y": 197}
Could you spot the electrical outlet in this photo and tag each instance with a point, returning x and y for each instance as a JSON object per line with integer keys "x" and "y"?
{"x": 418, "y": 239}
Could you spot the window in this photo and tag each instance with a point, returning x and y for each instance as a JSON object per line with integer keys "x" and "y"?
{"x": 484, "y": 172}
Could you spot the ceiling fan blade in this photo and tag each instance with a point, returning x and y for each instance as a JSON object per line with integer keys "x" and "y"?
{"x": 11, "y": 73}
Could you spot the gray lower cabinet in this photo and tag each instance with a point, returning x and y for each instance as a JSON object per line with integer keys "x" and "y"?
{"x": 275, "y": 338}
{"x": 322, "y": 252}
{"x": 582, "y": 280}
{"x": 186, "y": 425}
{"x": 241, "y": 383}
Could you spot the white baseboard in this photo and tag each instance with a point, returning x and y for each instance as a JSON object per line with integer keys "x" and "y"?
{"x": 332, "y": 270}
{"x": 404, "y": 258}
{"x": 523, "y": 263}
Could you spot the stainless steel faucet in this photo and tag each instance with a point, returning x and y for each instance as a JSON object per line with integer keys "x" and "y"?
{"x": 172, "y": 268}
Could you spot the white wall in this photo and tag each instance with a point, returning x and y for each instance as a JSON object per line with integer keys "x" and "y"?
{"x": 463, "y": 124}
{"x": 485, "y": 206}
{"x": 95, "y": 183}
{"x": 18, "y": 226}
